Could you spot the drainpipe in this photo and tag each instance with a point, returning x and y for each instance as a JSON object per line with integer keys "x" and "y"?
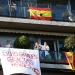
{"x": 9, "y": 4}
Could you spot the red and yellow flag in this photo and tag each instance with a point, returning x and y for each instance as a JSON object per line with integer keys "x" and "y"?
{"x": 40, "y": 13}
{"x": 71, "y": 59}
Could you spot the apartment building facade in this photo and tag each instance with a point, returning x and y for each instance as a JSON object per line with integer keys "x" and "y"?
{"x": 18, "y": 22}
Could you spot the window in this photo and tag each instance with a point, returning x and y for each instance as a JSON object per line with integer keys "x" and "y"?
{"x": 61, "y": 45}
{"x": 72, "y": 2}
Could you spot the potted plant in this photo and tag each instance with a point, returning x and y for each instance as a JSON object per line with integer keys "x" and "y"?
{"x": 22, "y": 42}
{"x": 65, "y": 14}
{"x": 69, "y": 43}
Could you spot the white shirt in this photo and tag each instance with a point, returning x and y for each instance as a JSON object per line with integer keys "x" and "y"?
{"x": 8, "y": 46}
{"x": 13, "y": 6}
{"x": 43, "y": 47}
{"x": 46, "y": 50}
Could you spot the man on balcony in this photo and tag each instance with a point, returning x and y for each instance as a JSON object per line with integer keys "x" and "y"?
{"x": 12, "y": 9}
{"x": 13, "y": 6}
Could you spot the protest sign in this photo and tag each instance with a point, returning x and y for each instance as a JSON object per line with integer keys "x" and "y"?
{"x": 15, "y": 60}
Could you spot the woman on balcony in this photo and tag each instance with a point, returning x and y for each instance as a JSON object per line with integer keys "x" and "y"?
{"x": 37, "y": 46}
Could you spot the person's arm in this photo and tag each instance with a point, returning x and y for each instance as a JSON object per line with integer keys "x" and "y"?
{"x": 41, "y": 47}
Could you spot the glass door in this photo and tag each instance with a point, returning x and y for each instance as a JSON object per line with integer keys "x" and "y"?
{"x": 28, "y": 2}
{"x": 60, "y": 50}
{"x": 53, "y": 48}
{"x": 56, "y": 47}
{"x": 24, "y": 7}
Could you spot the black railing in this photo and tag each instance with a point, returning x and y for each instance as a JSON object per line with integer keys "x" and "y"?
{"x": 53, "y": 57}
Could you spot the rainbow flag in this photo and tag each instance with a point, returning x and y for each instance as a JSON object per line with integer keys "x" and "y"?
{"x": 40, "y": 13}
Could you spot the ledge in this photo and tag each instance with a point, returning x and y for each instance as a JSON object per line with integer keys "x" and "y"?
{"x": 32, "y": 21}
{"x": 56, "y": 66}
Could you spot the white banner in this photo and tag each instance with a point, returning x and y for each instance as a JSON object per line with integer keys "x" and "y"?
{"x": 15, "y": 60}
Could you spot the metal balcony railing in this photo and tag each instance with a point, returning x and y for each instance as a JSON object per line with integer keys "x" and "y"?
{"x": 53, "y": 57}
{"x": 23, "y": 12}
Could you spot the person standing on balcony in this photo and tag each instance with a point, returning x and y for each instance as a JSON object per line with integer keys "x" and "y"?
{"x": 13, "y": 6}
{"x": 8, "y": 45}
{"x": 37, "y": 46}
{"x": 46, "y": 49}
{"x": 45, "y": 46}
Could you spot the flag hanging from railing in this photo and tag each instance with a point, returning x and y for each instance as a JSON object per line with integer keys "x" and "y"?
{"x": 40, "y": 13}
{"x": 23, "y": 61}
{"x": 71, "y": 59}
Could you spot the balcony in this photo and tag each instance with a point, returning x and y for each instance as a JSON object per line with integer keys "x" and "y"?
{"x": 54, "y": 59}
{"x": 23, "y": 12}
{"x": 20, "y": 20}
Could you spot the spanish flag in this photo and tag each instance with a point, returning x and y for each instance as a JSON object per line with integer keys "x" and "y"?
{"x": 71, "y": 59}
{"x": 40, "y": 13}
